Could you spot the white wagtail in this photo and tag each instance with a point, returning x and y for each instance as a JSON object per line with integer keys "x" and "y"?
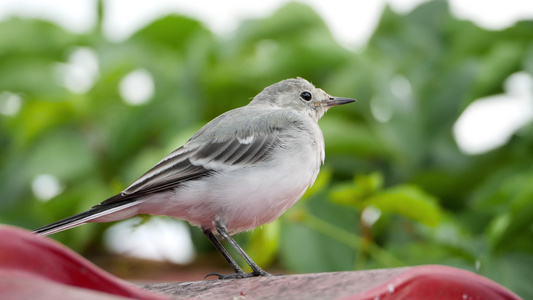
{"x": 241, "y": 170}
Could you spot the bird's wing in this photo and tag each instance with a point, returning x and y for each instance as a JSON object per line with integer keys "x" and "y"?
{"x": 214, "y": 148}
{"x": 186, "y": 163}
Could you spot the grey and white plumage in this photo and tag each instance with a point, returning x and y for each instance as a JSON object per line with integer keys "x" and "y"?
{"x": 241, "y": 170}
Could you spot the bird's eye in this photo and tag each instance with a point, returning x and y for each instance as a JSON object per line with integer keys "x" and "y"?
{"x": 306, "y": 96}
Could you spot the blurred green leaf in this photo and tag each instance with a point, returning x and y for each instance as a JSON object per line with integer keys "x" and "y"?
{"x": 38, "y": 117}
{"x": 357, "y": 194}
{"x": 409, "y": 201}
{"x": 370, "y": 184}
{"x": 346, "y": 194}
{"x": 175, "y": 32}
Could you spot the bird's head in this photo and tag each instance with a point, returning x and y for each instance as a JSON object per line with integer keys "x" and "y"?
{"x": 299, "y": 95}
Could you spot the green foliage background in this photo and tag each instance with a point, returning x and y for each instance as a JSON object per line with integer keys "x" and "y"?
{"x": 435, "y": 204}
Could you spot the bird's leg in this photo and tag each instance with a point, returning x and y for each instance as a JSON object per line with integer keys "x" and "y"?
{"x": 239, "y": 273}
{"x": 256, "y": 270}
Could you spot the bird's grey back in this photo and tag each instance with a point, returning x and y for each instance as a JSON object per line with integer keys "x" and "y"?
{"x": 246, "y": 121}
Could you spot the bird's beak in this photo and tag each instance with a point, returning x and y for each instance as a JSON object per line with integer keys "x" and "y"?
{"x": 333, "y": 101}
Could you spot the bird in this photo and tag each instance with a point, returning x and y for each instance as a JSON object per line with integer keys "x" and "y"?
{"x": 241, "y": 170}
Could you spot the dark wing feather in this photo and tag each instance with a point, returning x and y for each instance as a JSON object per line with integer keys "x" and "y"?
{"x": 184, "y": 164}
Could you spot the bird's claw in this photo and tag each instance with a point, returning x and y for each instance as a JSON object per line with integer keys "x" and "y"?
{"x": 241, "y": 275}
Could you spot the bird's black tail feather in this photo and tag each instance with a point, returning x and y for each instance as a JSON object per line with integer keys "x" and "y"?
{"x": 97, "y": 211}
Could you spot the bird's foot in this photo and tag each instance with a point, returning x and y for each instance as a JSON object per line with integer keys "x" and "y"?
{"x": 240, "y": 275}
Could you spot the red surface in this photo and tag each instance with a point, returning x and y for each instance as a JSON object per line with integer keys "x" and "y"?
{"x": 34, "y": 267}
{"x": 437, "y": 283}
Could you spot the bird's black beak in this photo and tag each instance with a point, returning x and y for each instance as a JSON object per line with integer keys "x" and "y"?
{"x": 333, "y": 101}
